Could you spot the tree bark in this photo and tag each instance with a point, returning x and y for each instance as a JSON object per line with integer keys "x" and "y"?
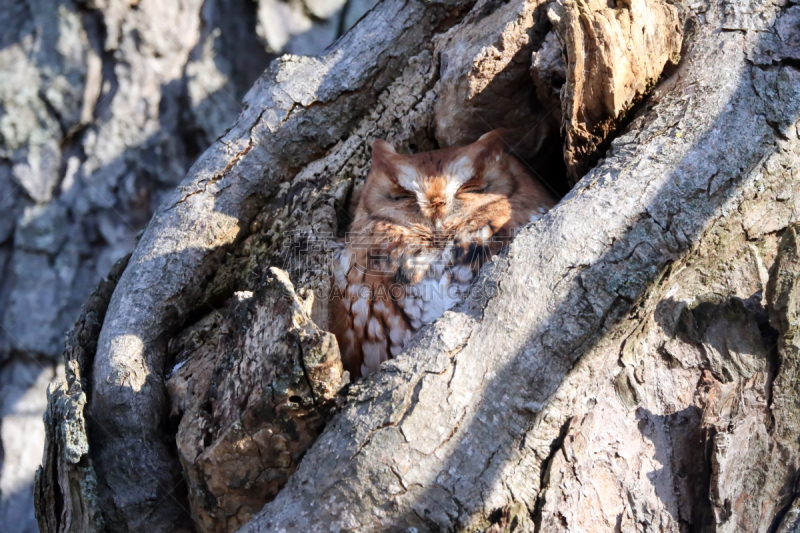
{"x": 628, "y": 364}
{"x": 104, "y": 106}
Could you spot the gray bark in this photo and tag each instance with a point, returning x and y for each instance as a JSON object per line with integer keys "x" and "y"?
{"x": 66, "y": 485}
{"x": 557, "y": 392}
{"x": 629, "y": 364}
{"x": 103, "y": 107}
{"x": 314, "y": 103}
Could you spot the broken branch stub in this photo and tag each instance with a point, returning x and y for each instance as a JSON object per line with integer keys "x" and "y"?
{"x": 253, "y": 385}
{"x": 615, "y": 52}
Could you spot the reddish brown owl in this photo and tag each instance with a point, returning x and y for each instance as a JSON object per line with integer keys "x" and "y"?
{"x": 424, "y": 225}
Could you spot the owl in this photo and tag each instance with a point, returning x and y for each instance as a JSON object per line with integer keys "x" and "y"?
{"x": 423, "y": 226}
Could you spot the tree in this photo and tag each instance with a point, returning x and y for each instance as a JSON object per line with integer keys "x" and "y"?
{"x": 104, "y": 106}
{"x": 629, "y": 362}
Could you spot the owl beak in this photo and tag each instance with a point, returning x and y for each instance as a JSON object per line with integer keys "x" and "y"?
{"x": 439, "y": 208}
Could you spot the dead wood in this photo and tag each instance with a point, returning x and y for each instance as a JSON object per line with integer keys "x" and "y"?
{"x": 615, "y": 53}
{"x": 252, "y": 386}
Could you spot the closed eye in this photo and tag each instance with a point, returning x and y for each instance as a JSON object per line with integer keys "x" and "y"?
{"x": 399, "y": 197}
{"x": 474, "y": 190}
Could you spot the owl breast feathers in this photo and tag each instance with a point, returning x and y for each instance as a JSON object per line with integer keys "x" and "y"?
{"x": 424, "y": 225}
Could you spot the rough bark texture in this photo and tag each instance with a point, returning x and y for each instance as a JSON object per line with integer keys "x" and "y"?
{"x": 252, "y": 386}
{"x": 568, "y": 410}
{"x": 104, "y": 105}
{"x": 296, "y": 112}
{"x": 628, "y": 364}
{"x": 616, "y": 51}
{"x": 67, "y": 476}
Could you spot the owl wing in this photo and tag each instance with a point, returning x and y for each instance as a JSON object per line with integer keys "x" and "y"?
{"x": 366, "y": 317}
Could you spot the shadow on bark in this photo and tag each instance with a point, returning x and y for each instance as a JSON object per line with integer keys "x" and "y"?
{"x": 486, "y": 453}
{"x": 550, "y": 350}
{"x": 526, "y": 348}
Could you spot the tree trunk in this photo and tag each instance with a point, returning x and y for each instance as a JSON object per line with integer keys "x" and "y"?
{"x": 629, "y": 363}
{"x": 104, "y": 106}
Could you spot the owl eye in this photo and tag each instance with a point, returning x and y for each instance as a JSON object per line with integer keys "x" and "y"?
{"x": 399, "y": 197}
{"x": 474, "y": 190}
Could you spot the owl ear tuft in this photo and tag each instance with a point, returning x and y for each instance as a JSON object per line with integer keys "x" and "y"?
{"x": 381, "y": 148}
{"x": 494, "y": 138}
{"x": 493, "y": 143}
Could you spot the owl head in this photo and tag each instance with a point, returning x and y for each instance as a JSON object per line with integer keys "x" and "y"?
{"x": 478, "y": 187}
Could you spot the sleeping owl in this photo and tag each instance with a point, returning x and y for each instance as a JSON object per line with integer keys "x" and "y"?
{"x": 423, "y": 226}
